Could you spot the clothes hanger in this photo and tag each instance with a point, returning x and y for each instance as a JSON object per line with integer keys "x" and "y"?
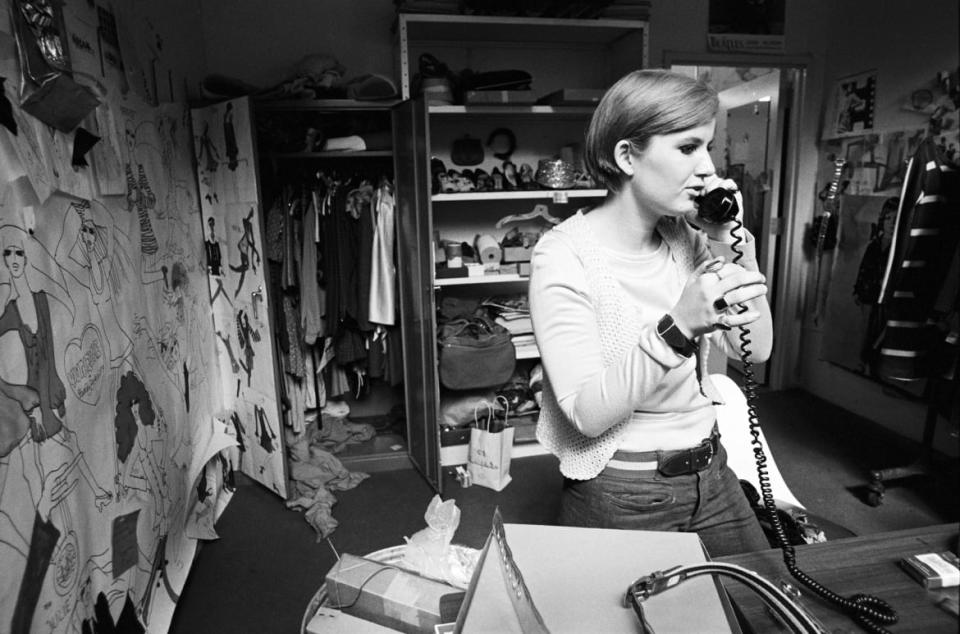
{"x": 539, "y": 211}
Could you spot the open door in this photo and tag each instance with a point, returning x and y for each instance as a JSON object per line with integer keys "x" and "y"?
{"x": 749, "y": 144}
{"x": 242, "y": 316}
{"x": 411, "y": 144}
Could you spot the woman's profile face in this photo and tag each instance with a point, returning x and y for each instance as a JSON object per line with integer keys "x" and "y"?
{"x": 670, "y": 174}
{"x": 14, "y": 258}
{"x": 88, "y": 234}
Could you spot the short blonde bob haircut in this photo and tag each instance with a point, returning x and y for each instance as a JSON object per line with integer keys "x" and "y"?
{"x": 642, "y": 104}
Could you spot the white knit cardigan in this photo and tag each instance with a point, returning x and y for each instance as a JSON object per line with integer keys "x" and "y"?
{"x": 582, "y": 457}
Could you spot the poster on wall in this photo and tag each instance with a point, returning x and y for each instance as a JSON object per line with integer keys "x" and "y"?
{"x": 852, "y": 106}
{"x": 746, "y": 26}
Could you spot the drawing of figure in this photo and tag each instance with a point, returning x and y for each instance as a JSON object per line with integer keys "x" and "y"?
{"x": 246, "y": 247}
{"x": 139, "y": 431}
{"x": 208, "y": 156}
{"x": 179, "y": 330}
{"x": 140, "y": 197}
{"x": 246, "y": 336}
{"x": 212, "y": 247}
{"x": 215, "y": 263}
{"x": 230, "y": 138}
{"x": 95, "y": 254}
{"x": 230, "y": 456}
{"x": 44, "y": 469}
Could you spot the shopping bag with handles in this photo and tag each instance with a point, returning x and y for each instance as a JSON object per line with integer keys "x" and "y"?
{"x": 491, "y": 446}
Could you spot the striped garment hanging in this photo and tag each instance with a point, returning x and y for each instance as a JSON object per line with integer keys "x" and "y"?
{"x": 918, "y": 277}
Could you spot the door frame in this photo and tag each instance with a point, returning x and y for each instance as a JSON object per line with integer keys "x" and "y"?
{"x": 787, "y": 274}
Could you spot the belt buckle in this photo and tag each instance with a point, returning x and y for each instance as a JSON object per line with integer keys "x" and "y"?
{"x": 701, "y": 460}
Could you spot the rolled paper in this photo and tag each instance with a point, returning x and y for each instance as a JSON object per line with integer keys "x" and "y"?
{"x": 488, "y": 249}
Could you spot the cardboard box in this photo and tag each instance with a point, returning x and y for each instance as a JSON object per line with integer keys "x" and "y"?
{"x": 389, "y": 596}
{"x": 517, "y": 254}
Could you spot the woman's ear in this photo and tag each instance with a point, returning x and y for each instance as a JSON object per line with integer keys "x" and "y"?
{"x": 623, "y": 155}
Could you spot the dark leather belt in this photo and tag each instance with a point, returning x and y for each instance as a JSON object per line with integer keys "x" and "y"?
{"x": 633, "y": 464}
{"x": 688, "y": 461}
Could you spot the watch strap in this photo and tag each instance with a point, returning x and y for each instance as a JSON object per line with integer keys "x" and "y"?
{"x": 674, "y": 337}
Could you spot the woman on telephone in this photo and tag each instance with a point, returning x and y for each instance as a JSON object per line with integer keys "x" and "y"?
{"x": 625, "y": 299}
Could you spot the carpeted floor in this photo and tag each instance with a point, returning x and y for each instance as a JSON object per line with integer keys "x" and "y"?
{"x": 261, "y": 573}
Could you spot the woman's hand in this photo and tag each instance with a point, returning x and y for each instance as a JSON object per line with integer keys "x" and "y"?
{"x": 711, "y": 297}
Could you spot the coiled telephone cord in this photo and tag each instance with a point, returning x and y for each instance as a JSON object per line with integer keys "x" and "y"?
{"x": 870, "y": 612}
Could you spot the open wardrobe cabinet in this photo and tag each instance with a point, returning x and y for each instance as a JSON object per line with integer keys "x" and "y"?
{"x": 297, "y": 204}
{"x": 516, "y": 137}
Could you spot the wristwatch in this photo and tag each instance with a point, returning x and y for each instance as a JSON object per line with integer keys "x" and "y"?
{"x": 674, "y": 337}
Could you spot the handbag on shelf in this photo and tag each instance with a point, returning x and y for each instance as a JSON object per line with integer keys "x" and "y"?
{"x": 475, "y": 352}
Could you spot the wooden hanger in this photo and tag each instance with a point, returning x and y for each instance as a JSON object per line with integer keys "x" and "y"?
{"x": 539, "y": 211}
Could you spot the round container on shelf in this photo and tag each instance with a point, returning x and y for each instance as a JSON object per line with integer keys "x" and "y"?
{"x": 437, "y": 91}
{"x": 555, "y": 174}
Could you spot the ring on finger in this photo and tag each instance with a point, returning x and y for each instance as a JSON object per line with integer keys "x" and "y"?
{"x": 722, "y": 322}
{"x": 720, "y": 304}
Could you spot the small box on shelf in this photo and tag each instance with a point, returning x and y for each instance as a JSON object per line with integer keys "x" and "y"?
{"x": 446, "y": 272}
{"x": 517, "y": 254}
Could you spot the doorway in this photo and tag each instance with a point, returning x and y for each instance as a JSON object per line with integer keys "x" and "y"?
{"x": 751, "y": 147}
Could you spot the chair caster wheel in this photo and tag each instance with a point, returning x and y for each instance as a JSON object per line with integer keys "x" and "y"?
{"x": 875, "y": 493}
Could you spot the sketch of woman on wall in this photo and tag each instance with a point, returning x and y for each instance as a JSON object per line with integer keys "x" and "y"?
{"x": 139, "y": 431}
{"x": 45, "y": 468}
{"x": 94, "y": 251}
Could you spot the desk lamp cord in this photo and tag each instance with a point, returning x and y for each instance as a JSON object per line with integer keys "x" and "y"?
{"x": 868, "y": 611}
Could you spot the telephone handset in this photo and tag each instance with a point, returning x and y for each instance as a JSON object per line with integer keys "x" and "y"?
{"x": 718, "y": 206}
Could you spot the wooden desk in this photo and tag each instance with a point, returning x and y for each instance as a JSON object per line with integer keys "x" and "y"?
{"x": 866, "y": 564}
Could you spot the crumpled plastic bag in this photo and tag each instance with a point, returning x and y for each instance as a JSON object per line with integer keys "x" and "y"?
{"x": 428, "y": 552}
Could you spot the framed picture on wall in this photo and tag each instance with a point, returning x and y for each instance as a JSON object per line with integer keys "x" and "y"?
{"x": 746, "y": 26}
{"x": 852, "y": 105}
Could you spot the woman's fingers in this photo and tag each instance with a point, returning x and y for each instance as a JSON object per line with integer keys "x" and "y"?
{"x": 741, "y": 294}
{"x": 734, "y": 319}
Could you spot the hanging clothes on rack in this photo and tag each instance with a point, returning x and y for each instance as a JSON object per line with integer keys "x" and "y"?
{"x": 312, "y": 294}
{"x": 383, "y": 272}
{"x": 916, "y": 295}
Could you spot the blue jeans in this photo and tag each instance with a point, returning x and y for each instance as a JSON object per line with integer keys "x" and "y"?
{"x": 709, "y": 503}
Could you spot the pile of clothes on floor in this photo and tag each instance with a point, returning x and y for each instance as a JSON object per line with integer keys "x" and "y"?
{"x": 316, "y": 472}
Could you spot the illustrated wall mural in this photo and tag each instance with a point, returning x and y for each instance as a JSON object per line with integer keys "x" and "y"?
{"x": 223, "y": 139}
{"x": 117, "y": 450}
